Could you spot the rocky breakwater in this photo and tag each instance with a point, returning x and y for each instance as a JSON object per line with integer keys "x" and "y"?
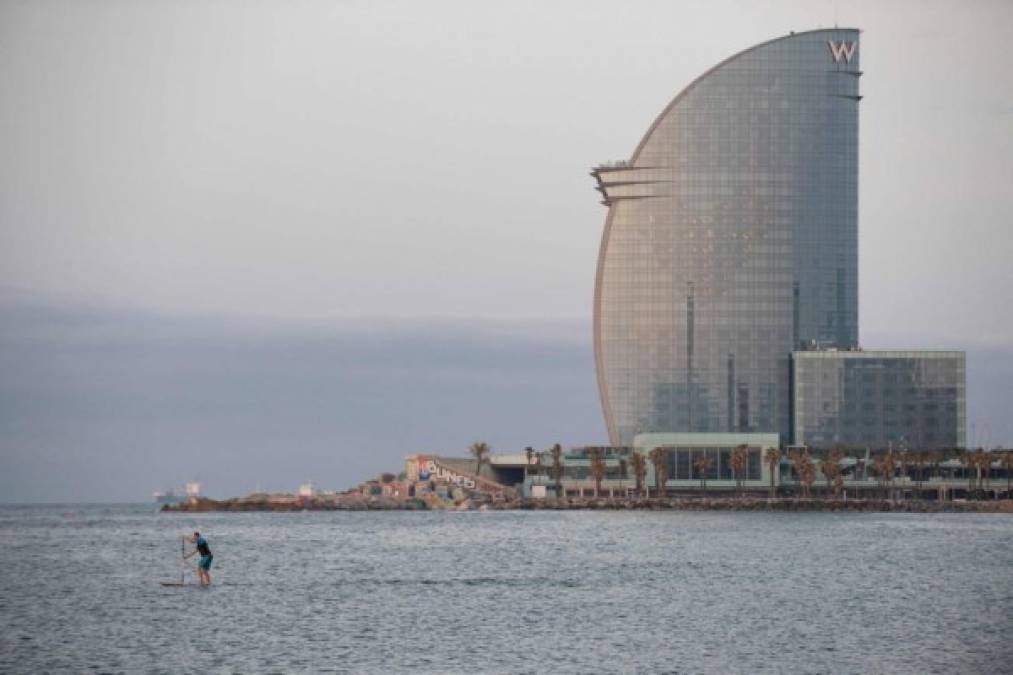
{"x": 288, "y": 503}
{"x": 358, "y": 502}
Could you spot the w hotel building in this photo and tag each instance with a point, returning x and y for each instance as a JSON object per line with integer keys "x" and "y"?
{"x": 730, "y": 244}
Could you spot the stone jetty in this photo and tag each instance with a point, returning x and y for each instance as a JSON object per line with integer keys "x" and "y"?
{"x": 358, "y": 502}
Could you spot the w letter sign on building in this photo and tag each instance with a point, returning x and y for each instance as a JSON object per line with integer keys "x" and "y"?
{"x": 841, "y": 50}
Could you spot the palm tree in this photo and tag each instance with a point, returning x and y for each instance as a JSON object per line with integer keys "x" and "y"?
{"x": 739, "y": 461}
{"x": 879, "y": 466}
{"x": 557, "y": 468}
{"x": 479, "y": 450}
{"x": 888, "y": 464}
{"x": 795, "y": 457}
{"x": 529, "y": 452}
{"x": 1007, "y": 463}
{"x": 836, "y": 456}
{"x": 597, "y": 468}
{"x": 967, "y": 459}
{"x": 889, "y": 467}
{"x": 828, "y": 472}
{"x": 702, "y": 464}
{"x": 830, "y": 467}
{"x": 639, "y": 470}
{"x": 983, "y": 461}
{"x": 773, "y": 457}
{"x": 658, "y": 457}
{"x": 808, "y": 474}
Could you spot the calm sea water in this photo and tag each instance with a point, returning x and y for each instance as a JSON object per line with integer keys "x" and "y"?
{"x": 507, "y": 592}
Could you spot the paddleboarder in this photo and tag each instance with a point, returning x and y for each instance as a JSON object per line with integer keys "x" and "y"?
{"x": 204, "y": 565}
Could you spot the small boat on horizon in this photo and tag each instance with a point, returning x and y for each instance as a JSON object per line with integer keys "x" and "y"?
{"x": 171, "y": 496}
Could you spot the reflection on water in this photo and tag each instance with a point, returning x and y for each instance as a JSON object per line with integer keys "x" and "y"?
{"x": 508, "y": 592}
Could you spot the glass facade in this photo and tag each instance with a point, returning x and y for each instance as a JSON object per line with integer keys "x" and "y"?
{"x": 682, "y": 463}
{"x": 730, "y": 241}
{"x": 878, "y": 399}
{"x": 683, "y": 450}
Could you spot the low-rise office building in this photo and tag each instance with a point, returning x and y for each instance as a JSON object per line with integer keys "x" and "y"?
{"x": 701, "y": 459}
{"x": 879, "y": 399}
{"x": 938, "y": 475}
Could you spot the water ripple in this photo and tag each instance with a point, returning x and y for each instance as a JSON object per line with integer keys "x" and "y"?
{"x": 508, "y": 592}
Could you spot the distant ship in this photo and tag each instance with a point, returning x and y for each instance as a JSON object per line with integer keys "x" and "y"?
{"x": 172, "y": 497}
{"x": 168, "y": 497}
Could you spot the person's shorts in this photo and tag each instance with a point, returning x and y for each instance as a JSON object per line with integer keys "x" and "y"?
{"x": 205, "y": 562}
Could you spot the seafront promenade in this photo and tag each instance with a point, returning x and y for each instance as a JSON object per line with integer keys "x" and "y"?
{"x": 586, "y": 479}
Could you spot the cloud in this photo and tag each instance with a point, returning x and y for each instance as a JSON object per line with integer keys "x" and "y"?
{"x": 103, "y": 404}
{"x": 109, "y": 404}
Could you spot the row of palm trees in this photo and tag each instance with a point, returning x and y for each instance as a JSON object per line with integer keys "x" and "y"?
{"x": 886, "y": 466}
{"x": 981, "y": 462}
{"x": 977, "y": 465}
{"x": 659, "y": 459}
{"x": 738, "y": 463}
{"x": 556, "y": 467}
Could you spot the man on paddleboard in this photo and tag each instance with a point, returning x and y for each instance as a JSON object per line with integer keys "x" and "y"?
{"x": 204, "y": 565}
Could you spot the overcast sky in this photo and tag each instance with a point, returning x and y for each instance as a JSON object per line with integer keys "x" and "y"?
{"x": 207, "y": 170}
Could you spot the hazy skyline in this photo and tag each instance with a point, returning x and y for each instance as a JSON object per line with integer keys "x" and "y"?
{"x": 213, "y": 170}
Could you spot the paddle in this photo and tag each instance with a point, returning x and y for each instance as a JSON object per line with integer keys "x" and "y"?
{"x": 182, "y": 569}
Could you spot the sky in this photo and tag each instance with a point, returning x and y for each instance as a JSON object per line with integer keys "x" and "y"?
{"x": 261, "y": 242}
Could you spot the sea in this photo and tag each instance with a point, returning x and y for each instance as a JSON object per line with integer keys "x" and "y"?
{"x": 506, "y": 592}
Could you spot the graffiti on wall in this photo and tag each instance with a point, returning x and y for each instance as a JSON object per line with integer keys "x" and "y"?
{"x": 429, "y": 469}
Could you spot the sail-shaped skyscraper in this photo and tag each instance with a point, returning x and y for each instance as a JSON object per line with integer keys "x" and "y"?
{"x": 731, "y": 241}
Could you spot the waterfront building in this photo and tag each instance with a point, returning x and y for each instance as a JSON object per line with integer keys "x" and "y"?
{"x": 731, "y": 240}
{"x": 683, "y": 452}
{"x": 879, "y": 399}
{"x": 936, "y": 475}
{"x": 927, "y": 474}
